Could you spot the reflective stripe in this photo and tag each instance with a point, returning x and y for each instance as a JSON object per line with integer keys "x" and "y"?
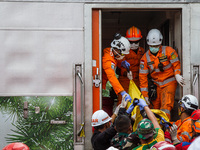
{"x": 165, "y": 81}
{"x": 157, "y": 70}
{"x": 149, "y": 60}
{"x": 144, "y": 71}
{"x": 168, "y": 66}
{"x": 144, "y": 89}
{"x": 163, "y": 49}
{"x": 177, "y": 70}
{"x": 181, "y": 139}
{"x": 197, "y": 128}
{"x": 166, "y": 111}
{"x": 198, "y": 121}
{"x": 186, "y": 133}
{"x": 174, "y": 60}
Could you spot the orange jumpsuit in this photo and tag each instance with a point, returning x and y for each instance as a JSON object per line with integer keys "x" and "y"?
{"x": 184, "y": 130}
{"x": 165, "y": 81}
{"x": 109, "y": 65}
{"x": 133, "y": 59}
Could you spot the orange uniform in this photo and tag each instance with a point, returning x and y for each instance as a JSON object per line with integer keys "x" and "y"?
{"x": 165, "y": 80}
{"x": 109, "y": 65}
{"x": 133, "y": 59}
{"x": 184, "y": 130}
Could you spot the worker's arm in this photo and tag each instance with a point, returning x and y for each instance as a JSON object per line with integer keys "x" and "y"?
{"x": 142, "y": 104}
{"x": 151, "y": 117}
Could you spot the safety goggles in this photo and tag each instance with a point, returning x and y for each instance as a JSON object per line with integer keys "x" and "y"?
{"x": 181, "y": 104}
{"x": 136, "y": 42}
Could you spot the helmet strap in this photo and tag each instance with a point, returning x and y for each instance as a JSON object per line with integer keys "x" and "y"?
{"x": 117, "y": 54}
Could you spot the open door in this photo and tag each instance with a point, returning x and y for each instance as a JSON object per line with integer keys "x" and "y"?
{"x": 96, "y": 59}
{"x": 168, "y": 21}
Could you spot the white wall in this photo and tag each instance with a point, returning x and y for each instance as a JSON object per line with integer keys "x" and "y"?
{"x": 39, "y": 44}
{"x": 6, "y": 126}
{"x": 195, "y": 34}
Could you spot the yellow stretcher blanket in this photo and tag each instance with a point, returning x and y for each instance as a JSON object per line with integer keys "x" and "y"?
{"x": 134, "y": 92}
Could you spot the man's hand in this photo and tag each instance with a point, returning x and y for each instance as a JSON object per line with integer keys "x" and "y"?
{"x": 129, "y": 75}
{"x": 127, "y": 97}
{"x": 117, "y": 109}
{"x": 130, "y": 109}
{"x": 173, "y": 132}
{"x": 125, "y": 64}
{"x": 180, "y": 79}
{"x": 142, "y": 104}
{"x": 163, "y": 122}
{"x": 124, "y": 103}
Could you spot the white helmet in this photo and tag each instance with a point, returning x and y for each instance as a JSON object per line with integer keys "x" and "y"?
{"x": 121, "y": 43}
{"x": 154, "y": 37}
{"x": 189, "y": 102}
{"x": 100, "y": 117}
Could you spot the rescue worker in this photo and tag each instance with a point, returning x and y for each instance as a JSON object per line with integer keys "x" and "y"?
{"x": 163, "y": 65}
{"x": 133, "y": 34}
{"x": 103, "y": 132}
{"x": 148, "y": 130}
{"x": 187, "y": 105}
{"x": 16, "y": 146}
{"x": 195, "y": 117}
{"x": 163, "y": 145}
{"x": 120, "y": 46}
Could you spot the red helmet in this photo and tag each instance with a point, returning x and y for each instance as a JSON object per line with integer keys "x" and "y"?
{"x": 16, "y": 146}
{"x": 163, "y": 145}
{"x": 196, "y": 115}
{"x": 133, "y": 34}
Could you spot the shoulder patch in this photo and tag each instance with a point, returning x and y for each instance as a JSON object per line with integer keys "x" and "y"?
{"x": 173, "y": 55}
{"x": 142, "y": 66}
{"x": 113, "y": 66}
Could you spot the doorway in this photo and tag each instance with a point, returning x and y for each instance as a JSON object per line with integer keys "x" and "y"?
{"x": 168, "y": 21}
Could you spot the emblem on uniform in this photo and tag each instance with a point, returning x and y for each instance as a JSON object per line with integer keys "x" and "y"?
{"x": 113, "y": 66}
{"x": 173, "y": 56}
{"x": 141, "y": 66}
{"x": 162, "y": 58}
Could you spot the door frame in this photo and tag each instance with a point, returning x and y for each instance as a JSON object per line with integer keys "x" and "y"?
{"x": 186, "y": 49}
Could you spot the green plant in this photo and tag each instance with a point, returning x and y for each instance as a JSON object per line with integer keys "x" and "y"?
{"x": 36, "y": 131}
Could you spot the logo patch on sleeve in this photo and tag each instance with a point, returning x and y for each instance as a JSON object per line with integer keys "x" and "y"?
{"x": 173, "y": 55}
{"x": 141, "y": 66}
{"x": 113, "y": 66}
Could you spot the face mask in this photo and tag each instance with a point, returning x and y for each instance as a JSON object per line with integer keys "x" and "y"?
{"x": 154, "y": 49}
{"x": 120, "y": 57}
{"x": 134, "y": 46}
